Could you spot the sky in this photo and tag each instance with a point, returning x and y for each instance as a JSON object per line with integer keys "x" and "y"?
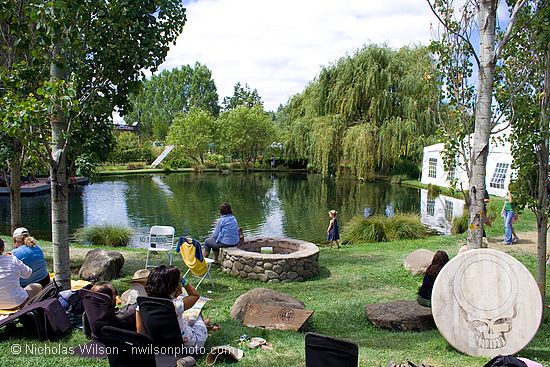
{"x": 278, "y": 47}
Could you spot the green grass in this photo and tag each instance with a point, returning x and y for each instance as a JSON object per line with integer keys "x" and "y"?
{"x": 104, "y": 235}
{"x": 349, "y": 279}
{"x": 379, "y": 228}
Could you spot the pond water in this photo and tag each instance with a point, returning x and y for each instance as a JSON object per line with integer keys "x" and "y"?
{"x": 265, "y": 204}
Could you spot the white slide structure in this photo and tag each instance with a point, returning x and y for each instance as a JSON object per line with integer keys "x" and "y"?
{"x": 162, "y": 155}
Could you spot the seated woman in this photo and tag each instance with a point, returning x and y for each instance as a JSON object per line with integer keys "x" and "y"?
{"x": 12, "y": 295}
{"x": 166, "y": 282}
{"x": 226, "y": 232}
{"x": 26, "y": 250}
{"x": 425, "y": 292}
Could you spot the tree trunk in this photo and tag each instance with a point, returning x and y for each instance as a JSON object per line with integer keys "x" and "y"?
{"x": 542, "y": 212}
{"x": 58, "y": 178}
{"x": 15, "y": 190}
{"x": 486, "y": 21}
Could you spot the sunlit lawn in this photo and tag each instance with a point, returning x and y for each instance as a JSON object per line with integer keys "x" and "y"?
{"x": 350, "y": 278}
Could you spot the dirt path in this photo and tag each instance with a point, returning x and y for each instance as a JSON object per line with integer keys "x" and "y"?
{"x": 526, "y": 244}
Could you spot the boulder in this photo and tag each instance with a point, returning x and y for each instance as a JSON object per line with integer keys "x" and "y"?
{"x": 418, "y": 261}
{"x": 401, "y": 316}
{"x": 262, "y": 296}
{"x": 101, "y": 265}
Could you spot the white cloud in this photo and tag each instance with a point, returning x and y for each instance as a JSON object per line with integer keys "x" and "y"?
{"x": 277, "y": 47}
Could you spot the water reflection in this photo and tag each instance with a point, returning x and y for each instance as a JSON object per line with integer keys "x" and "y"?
{"x": 437, "y": 212}
{"x": 292, "y": 205}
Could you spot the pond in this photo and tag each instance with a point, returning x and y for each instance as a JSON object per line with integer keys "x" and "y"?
{"x": 265, "y": 204}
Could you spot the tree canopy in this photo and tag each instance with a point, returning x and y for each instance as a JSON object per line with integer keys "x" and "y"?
{"x": 385, "y": 98}
{"x": 171, "y": 92}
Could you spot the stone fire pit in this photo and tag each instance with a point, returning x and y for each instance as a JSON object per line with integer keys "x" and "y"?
{"x": 291, "y": 260}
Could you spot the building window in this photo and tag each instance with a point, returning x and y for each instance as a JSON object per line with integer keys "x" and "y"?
{"x": 430, "y": 207}
{"x": 497, "y": 181}
{"x": 432, "y": 167}
{"x": 448, "y": 210}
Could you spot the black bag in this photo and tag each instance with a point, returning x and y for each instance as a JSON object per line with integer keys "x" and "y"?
{"x": 47, "y": 317}
{"x": 505, "y": 361}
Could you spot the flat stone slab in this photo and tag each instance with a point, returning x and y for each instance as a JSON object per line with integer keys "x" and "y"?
{"x": 486, "y": 303}
{"x": 400, "y": 316}
{"x": 263, "y": 296}
{"x": 418, "y": 261}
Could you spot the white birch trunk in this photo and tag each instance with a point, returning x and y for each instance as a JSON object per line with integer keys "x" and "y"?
{"x": 483, "y": 117}
{"x": 58, "y": 178}
{"x": 15, "y": 192}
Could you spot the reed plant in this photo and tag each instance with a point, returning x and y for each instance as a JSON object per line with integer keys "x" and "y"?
{"x": 104, "y": 235}
{"x": 379, "y": 228}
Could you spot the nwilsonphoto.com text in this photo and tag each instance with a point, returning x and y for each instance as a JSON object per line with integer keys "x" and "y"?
{"x": 98, "y": 349}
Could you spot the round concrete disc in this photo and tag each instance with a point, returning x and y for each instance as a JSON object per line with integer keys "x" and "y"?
{"x": 485, "y": 303}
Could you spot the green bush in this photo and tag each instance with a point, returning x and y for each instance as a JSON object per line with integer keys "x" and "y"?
{"x": 129, "y": 148}
{"x": 178, "y": 163}
{"x": 379, "y": 228}
{"x": 406, "y": 167}
{"x": 225, "y": 166}
{"x": 460, "y": 224}
{"x": 236, "y": 165}
{"x": 104, "y": 235}
{"x": 397, "y": 179}
{"x": 210, "y": 164}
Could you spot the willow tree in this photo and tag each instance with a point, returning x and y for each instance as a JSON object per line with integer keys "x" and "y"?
{"x": 385, "y": 98}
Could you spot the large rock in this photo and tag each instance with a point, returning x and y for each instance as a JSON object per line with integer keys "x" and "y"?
{"x": 262, "y": 296}
{"x": 418, "y": 261}
{"x": 400, "y": 316}
{"x": 101, "y": 265}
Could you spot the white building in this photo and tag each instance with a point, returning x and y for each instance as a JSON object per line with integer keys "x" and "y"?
{"x": 499, "y": 163}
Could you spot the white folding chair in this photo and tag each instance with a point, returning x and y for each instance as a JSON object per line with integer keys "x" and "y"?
{"x": 161, "y": 239}
{"x": 204, "y": 276}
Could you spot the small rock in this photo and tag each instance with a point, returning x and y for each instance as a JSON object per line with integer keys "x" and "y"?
{"x": 277, "y": 269}
{"x": 271, "y": 274}
{"x": 268, "y": 266}
{"x": 101, "y": 265}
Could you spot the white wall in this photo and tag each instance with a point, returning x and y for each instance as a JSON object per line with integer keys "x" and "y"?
{"x": 437, "y": 218}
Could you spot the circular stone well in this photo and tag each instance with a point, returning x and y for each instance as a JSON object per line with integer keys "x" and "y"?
{"x": 291, "y": 260}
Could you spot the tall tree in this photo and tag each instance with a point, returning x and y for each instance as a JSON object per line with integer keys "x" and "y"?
{"x": 193, "y": 132}
{"x": 389, "y": 95}
{"x": 523, "y": 90}
{"x": 95, "y": 52}
{"x": 485, "y": 61}
{"x": 245, "y": 132}
{"x": 171, "y": 92}
{"x": 242, "y": 96}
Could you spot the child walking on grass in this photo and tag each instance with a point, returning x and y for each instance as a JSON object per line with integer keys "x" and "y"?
{"x": 333, "y": 232}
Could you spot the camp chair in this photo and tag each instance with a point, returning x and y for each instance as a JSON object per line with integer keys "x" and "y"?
{"x": 198, "y": 269}
{"x": 325, "y": 351}
{"x": 131, "y": 348}
{"x": 160, "y": 321}
{"x": 161, "y": 239}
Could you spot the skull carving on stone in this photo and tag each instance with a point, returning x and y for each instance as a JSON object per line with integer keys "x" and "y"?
{"x": 490, "y": 333}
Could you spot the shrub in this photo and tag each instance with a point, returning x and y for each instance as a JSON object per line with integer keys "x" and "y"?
{"x": 460, "y": 224}
{"x": 177, "y": 163}
{"x": 379, "y": 228}
{"x": 406, "y": 167}
{"x": 224, "y": 166}
{"x": 104, "y": 235}
{"x": 397, "y": 179}
{"x": 236, "y": 165}
{"x": 433, "y": 190}
{"x": 135, "y": 165}
{"x": 210, "y": 164}
{"x": 404, "y": 226}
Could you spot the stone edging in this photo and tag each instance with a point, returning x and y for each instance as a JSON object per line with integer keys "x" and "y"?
{"x": 299, "y": 264}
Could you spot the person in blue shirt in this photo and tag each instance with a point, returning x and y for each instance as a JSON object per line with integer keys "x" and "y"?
{"x": 226, "y": 232}
{"x": 26, "y": 250}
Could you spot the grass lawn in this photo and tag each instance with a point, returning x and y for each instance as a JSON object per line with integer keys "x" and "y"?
{"x": 349, "y": 278}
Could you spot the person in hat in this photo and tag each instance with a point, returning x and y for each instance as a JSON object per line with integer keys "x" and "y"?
{"x": 12, "y": 295}
{"x": 137, "y": 289}
{"x": 26, "y": 250}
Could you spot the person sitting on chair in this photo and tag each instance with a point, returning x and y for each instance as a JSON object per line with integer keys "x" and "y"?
{"x": 126, "y": 315}
{"x": 166, "y": 282}
{"x": 12, "y": 295}
{"x": 31, "y": 255}
{"x": 226, "y": 232}
{"x": 425, "y": 292}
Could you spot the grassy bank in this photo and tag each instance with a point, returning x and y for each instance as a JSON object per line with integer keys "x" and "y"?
{"x": 349, "y": 278}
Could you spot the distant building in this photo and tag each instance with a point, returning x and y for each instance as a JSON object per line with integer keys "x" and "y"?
{"x": 499, "y": 165}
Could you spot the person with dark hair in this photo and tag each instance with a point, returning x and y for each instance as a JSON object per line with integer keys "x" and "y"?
{"x": 12, "y": 295}
{"x": 425, "y": 292}
{"x": 166, "y": 282}
{"x": 26, "y": 250}
{"x": 226, "y": 232}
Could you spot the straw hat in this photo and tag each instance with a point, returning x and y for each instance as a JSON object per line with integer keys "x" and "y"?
{"x": 140, "y": 276}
